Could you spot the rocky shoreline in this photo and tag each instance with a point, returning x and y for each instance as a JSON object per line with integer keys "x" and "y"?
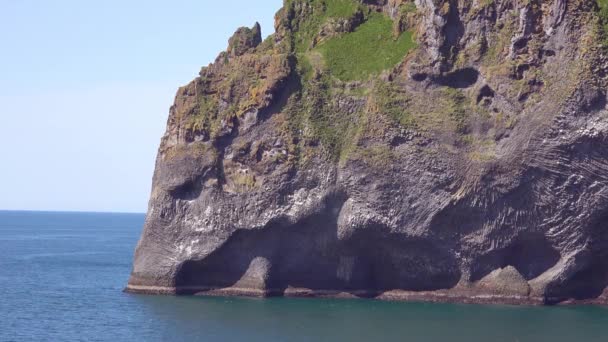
{"x": 453, "y": 296}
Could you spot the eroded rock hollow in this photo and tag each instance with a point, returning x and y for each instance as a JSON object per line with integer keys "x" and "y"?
{"x": 444, "y": 150}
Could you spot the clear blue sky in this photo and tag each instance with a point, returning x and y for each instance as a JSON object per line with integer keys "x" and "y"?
{"x": 85, "y": 88}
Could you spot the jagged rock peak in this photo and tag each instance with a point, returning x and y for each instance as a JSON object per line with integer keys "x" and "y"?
{"x": 245, "y": 39}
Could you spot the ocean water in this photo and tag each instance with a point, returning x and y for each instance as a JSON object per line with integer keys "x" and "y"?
{"x": 62, "y": 275}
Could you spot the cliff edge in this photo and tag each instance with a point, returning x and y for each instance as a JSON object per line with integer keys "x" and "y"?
{"x": 443, "y": 150}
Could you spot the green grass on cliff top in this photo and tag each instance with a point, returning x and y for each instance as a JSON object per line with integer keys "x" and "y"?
{"x": 309, "y": 27}
{"x": 603, "y": 14}
{"x": 340, "y": 8}
{"x": 603, "y": 4}
{"x": 370, "y": 49}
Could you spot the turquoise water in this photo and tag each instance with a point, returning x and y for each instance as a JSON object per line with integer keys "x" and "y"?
{"x": 62, "y": 275}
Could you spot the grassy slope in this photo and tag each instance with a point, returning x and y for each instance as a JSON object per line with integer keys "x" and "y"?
{"x": 324, "y": 9}
{"x": 603, "y": 14}
{"x": 367, "y": 51}
{"x": 340, "y": 8}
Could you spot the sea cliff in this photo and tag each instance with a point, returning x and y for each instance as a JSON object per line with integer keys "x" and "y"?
{"x": 442, "y": 150}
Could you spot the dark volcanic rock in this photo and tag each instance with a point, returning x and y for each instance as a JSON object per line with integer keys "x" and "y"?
{"x": 474, "y": 170}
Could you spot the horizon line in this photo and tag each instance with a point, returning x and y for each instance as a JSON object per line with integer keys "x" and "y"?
{"x": 72, "y": 211}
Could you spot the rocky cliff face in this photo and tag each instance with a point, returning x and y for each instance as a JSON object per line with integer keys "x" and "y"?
{"x": 452, "y": 150}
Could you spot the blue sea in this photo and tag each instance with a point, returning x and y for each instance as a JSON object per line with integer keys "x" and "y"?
{"x": 62, "y": 276}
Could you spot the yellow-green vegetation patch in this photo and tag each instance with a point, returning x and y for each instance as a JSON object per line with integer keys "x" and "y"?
{"x": 481, "y": 5}
{"x": 408, "y": 7}
{"x": 501, "y": 42}
{"x": 306, "y": 28}
{"x": 444, "y": 110}
{"x": 370, "y": 49}
{"x": 197, "y": 149}
{"x": 457, "y": 108}
{"x": 388, "y": 100}
{"x": 340, "y": 8}
{"x": 481, "y": 149}
{"x": 375, "y": 156}
{"x": 603, "y": 4}
{"x": 313, "y": 113}
{"x": 244, "y": 182}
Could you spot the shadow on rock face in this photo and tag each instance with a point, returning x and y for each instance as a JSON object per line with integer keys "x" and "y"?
{"x": 189, "y": 190}
{"x": 591, "y": 280}
{"x": 588, "y": 283}
{"x": 308, "y": 254}
{"x": 389, "y": 261}
{"x": 531, "y": 254}
{"x": 462, "y": 78}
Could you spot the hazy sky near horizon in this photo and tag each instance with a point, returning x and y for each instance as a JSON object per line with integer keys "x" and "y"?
{"x": 85, "y": 90}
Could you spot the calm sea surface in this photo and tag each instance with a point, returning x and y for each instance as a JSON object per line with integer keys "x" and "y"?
{"x": 62, "y": 275}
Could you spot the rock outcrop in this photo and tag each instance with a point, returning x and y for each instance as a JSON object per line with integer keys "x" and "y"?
{"x": 442, "y": 150}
